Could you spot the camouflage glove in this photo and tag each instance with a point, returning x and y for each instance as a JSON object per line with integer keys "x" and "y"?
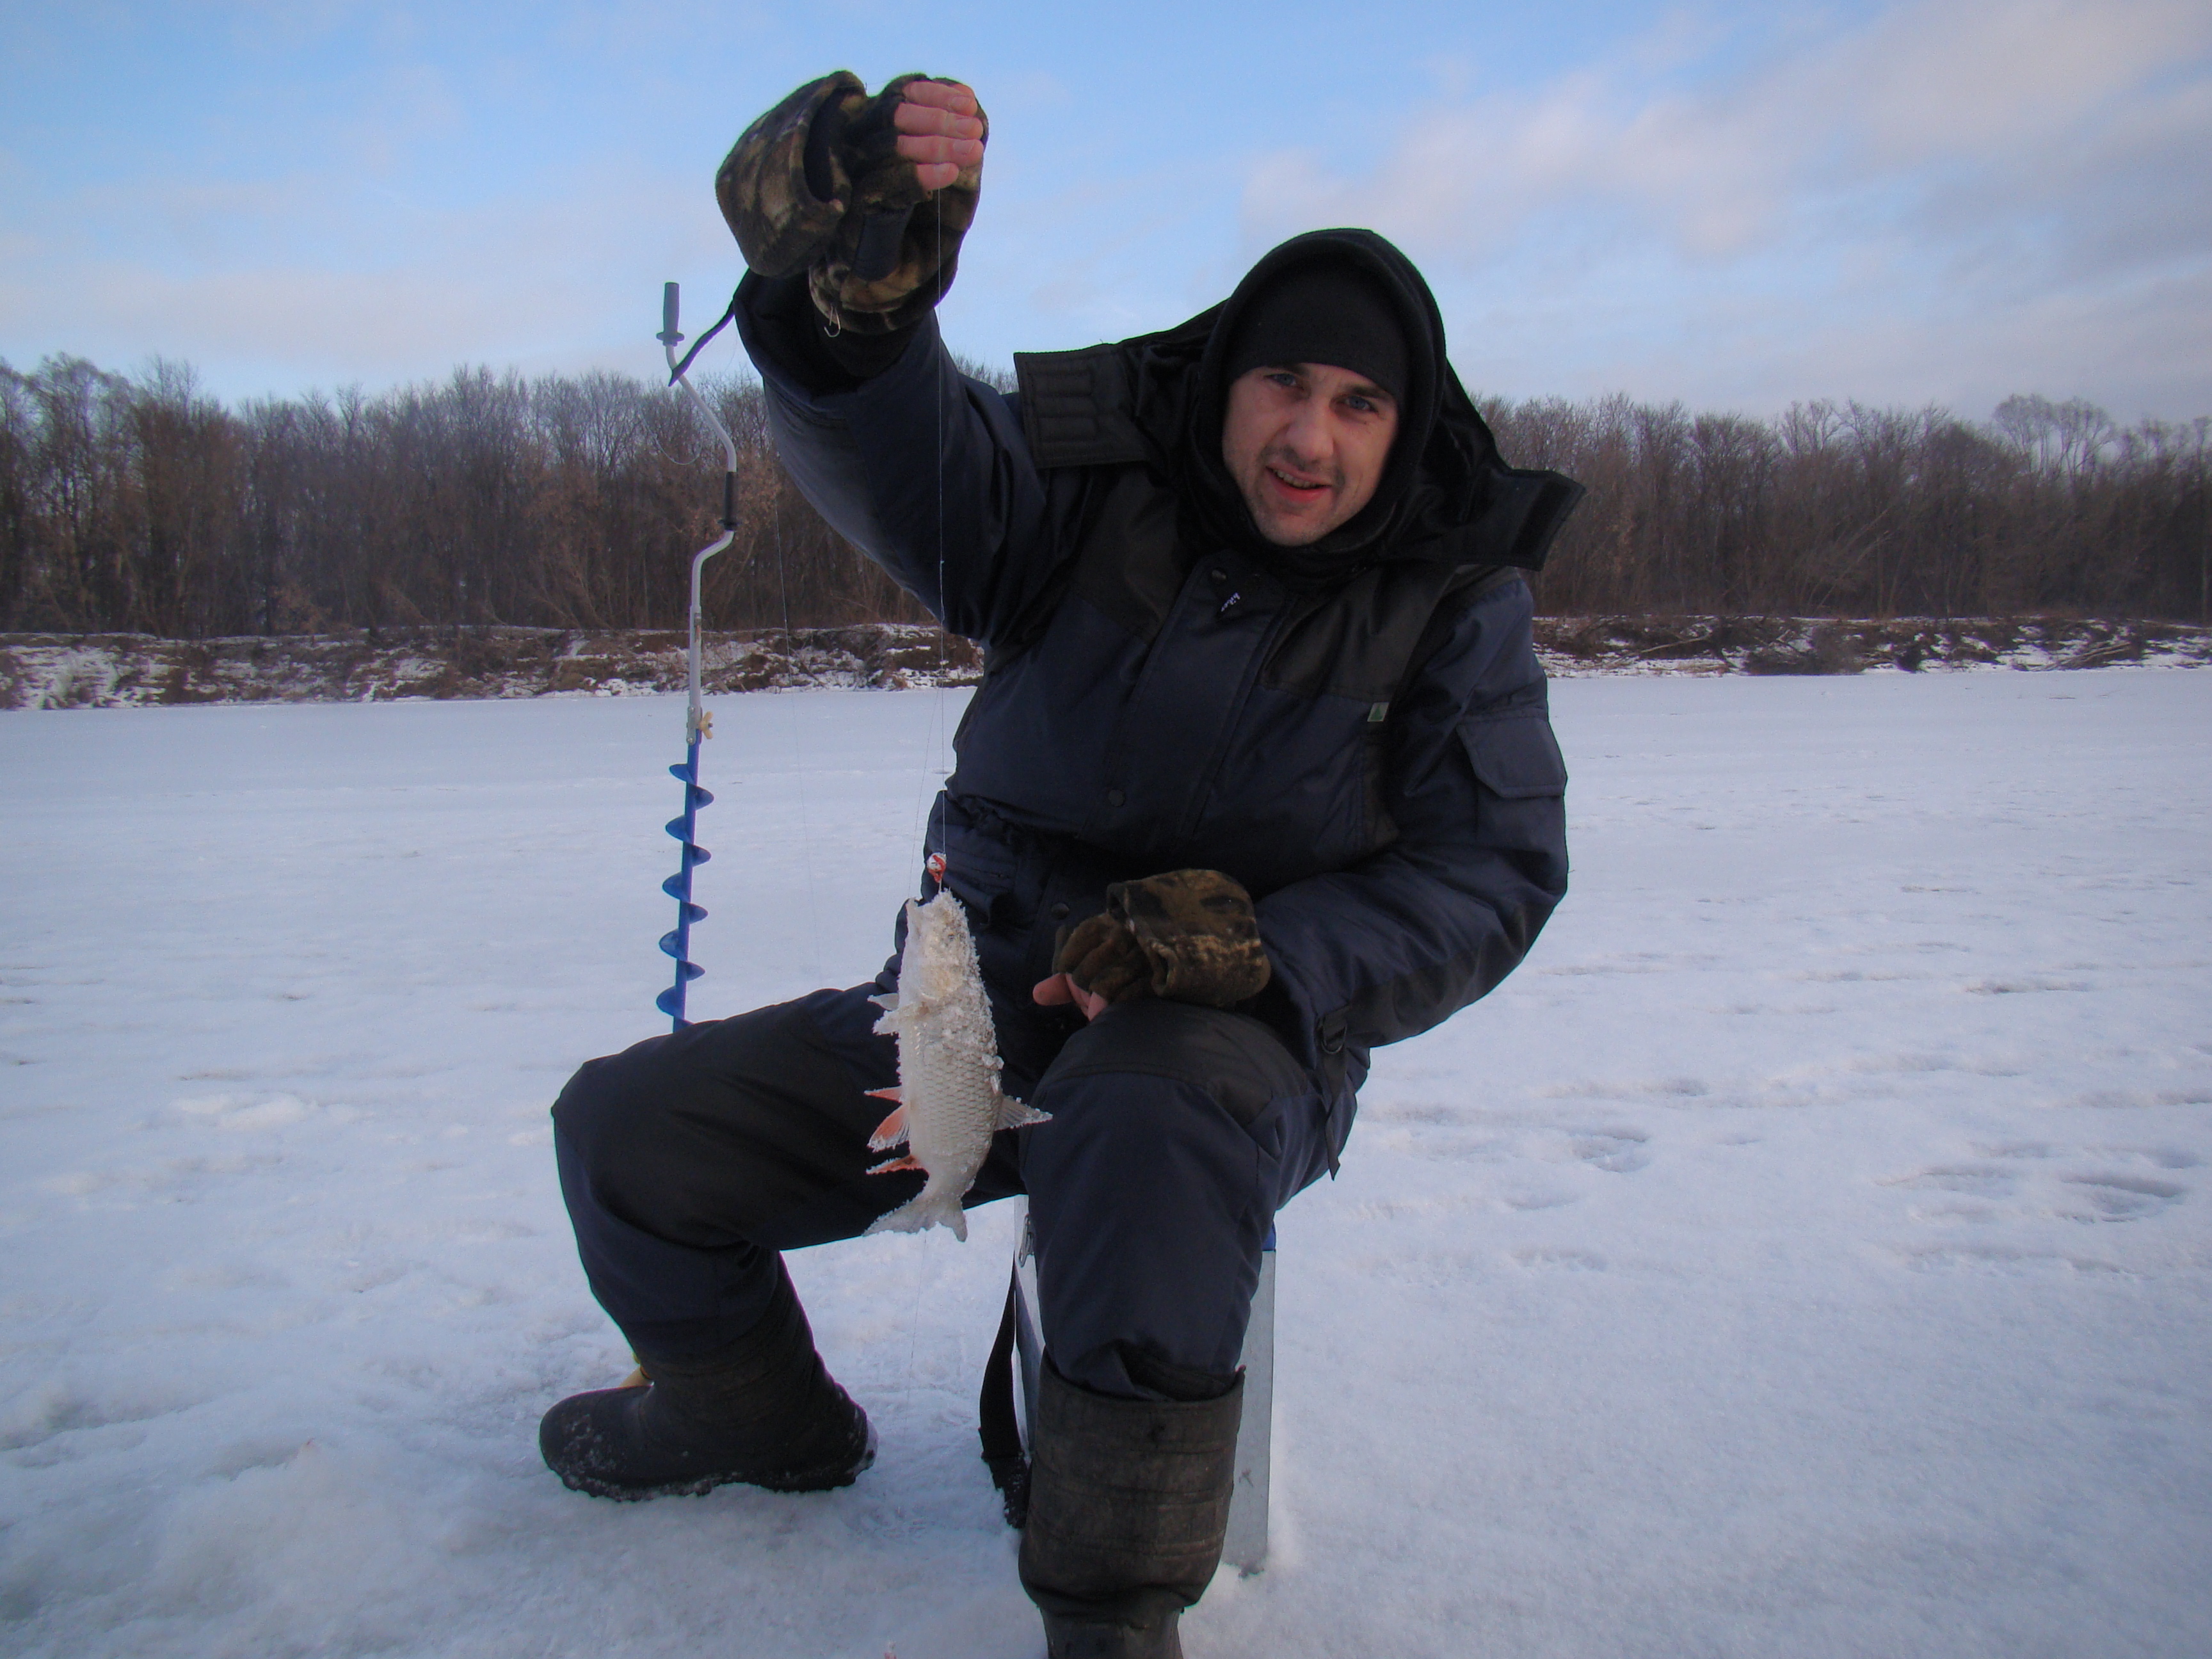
{"x": 817, "y": 184}
{"x": 1189, "y": 936}
{"x": 1103, "y": 957}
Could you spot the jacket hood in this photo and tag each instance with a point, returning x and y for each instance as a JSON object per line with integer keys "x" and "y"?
{"x": 1213, "y": 494}
{"x": 1445, "y": 493}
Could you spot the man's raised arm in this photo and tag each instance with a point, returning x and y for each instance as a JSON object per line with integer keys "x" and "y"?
{"x": 850, "y": 210}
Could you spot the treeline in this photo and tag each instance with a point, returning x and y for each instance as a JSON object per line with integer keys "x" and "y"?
{"x": 1840, "y": 510}
{"x": 138, "y": 503}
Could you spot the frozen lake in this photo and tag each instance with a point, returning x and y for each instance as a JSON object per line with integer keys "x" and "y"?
{"x": 1807, "y": 1252}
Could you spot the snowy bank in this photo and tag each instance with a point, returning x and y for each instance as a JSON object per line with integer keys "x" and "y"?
{"x": 121, "y": 671}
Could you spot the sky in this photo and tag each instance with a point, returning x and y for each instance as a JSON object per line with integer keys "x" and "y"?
{"x": 1738, "y": 206}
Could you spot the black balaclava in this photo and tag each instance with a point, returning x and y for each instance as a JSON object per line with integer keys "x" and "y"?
{"x": 1321, "y": 314}
{"x": 1343, "y": 297}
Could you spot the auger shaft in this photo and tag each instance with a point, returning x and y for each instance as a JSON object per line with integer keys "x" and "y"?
{"x": 698, "y": 724}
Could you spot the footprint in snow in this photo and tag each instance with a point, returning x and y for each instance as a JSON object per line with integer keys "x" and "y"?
{"x": 1573, "y": 1261}
{"x": 2092, "y": 1196}
{"x": 2107, "y": 1197}
{"x": 1973, "y": 1182}
{"x": 1997, "y": 1259}
{"x": 1618, "y": 1151}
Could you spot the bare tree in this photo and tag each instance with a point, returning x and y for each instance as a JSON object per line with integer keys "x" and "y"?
{"x": 138, "y": 502}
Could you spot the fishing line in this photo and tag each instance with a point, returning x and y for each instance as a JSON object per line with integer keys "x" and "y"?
{"x": 793, "y": 725}
{"x": 790, "y": 728}
{"x": 935, "y": 769}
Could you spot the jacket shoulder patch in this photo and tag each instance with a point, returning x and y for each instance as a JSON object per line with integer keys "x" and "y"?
{"x": 1076, "y": 408}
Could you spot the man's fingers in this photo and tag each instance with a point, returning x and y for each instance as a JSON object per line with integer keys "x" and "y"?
{"x": 911, "y": 117}
{"x": 926, "y": 147}
{"x": 938, "y": 161}
{"x": 940, "y": 131}
{"x": 938, "y": 94}
{"x": 1060, "y": 990}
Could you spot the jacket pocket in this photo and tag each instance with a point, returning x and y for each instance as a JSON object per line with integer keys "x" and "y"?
{"x": 981, "y": 869}
{"x": 1515, "y": 756}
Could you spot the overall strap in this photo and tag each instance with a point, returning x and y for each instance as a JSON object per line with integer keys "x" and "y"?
{"x": 998, "y": 1422}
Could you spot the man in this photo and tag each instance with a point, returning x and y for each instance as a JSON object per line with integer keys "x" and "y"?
{"x": 1260, "y": 775}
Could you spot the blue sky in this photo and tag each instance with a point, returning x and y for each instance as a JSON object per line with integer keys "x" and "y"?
{"x": 1940, "y": 201}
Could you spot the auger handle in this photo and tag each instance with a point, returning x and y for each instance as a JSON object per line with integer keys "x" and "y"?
{"x": 669, "y": 335}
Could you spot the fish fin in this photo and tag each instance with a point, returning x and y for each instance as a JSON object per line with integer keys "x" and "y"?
{"x": 933, "y": 1206}
{"x": 892, "y": 1094}
{"x": 1013, "y": 1114}
{"x": 906, "y": 1163}
{"x": 890, "y": 1131}
{"x": 888, "y": 1001}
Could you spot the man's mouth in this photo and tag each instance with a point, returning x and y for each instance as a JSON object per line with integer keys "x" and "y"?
{"x": 1298, "y": 488}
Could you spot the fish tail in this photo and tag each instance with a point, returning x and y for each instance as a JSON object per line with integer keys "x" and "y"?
{"x": 935, "y": 1206}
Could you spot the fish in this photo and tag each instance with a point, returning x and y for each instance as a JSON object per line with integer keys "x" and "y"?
{"x": 949, "y": 1104}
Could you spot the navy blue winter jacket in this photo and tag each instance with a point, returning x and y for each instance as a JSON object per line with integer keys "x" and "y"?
{"x": 1360, "y": 737}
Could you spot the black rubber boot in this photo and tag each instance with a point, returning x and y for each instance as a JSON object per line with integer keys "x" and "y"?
{"x": 1128, "y": 1503}
{"x": 763, "y": 1411}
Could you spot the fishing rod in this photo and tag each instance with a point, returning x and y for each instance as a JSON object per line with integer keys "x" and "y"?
{"x": 698, "y": 724}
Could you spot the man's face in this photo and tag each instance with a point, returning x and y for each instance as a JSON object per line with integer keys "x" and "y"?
{"x": 1306, "y": 444}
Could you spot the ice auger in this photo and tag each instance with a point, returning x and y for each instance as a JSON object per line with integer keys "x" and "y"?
{"x": 697, "y": 723}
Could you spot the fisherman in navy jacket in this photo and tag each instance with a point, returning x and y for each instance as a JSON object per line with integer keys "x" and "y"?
{"x": 1260, "y": 777}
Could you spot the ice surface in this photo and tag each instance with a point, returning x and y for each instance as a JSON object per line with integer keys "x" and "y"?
{"x": 1807, "y": 1252}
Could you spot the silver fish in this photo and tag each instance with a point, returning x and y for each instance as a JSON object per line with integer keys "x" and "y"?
{"x": 949, "y": 1104}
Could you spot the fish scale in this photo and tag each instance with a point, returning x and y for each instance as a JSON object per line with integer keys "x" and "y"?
{"x": 950, "y": 1104}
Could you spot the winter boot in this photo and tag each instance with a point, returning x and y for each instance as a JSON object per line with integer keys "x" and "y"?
{"x": 1128, "y": 1503}
{"x": 762, "y": 1410}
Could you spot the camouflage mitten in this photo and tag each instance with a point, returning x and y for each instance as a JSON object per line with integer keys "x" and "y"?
{"x": 817, "y": 184}
{"x": 1199, "y": 937}
{"x": 1103, "y": 957}
{"x": 783, "y": 212}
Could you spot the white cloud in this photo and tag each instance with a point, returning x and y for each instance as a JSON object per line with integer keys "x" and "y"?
{"x": 273, "y": 281}
{"x": 1951, "y": 199}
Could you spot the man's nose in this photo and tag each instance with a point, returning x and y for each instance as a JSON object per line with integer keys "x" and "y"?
{"x": 1308, "y": 436}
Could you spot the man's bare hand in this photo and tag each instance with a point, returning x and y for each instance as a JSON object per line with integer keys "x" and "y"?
{"x": 939, "y": 131}
{"x": 1061, "y": 989}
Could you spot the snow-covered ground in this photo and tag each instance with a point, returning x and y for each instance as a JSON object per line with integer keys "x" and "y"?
{"x": 1807, "y": 1252}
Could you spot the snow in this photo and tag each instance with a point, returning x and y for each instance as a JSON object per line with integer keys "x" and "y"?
{"x": 1804, "y": 1254}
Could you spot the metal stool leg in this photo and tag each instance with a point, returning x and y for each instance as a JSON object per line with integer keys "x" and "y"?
{"x": 1029, "y": 1340}
{"x": 1246, "y": 1545}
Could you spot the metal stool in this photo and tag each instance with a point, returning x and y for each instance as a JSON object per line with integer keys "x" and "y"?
{"x": 1246, "y": 1545}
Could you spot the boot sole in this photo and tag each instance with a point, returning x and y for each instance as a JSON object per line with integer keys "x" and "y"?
{"x": 815, "y": 1479}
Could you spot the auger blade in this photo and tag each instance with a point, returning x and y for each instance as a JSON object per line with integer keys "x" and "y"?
{"x": 671, "y": 945}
